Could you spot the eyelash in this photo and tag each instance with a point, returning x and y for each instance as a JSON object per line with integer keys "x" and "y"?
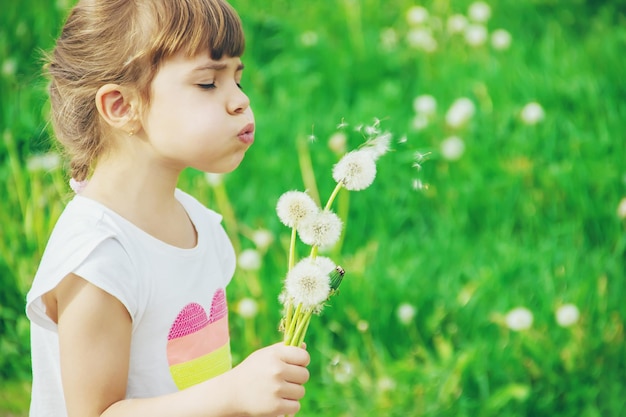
{"x": 212, "y": 86}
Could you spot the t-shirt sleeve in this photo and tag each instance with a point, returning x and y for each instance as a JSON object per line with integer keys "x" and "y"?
{"x": 105, "y": 265}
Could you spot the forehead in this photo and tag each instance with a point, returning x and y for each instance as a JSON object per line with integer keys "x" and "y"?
{"x": 181, "y": 64}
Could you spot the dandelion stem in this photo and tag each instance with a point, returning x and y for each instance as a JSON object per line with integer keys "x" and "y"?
{"x": 292, "y": 249}
{"x": 298, "y": 336}
{"x": 331, "y": 199}
{"x": 292, "y": 325}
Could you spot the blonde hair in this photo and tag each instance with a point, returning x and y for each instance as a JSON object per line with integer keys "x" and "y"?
{"x": 124, "y": 42}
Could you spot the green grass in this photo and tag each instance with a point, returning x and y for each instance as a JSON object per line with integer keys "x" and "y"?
{"x": 526, "y": 217}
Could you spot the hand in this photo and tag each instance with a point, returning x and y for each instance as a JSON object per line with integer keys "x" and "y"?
{"x": 270, "y": 381}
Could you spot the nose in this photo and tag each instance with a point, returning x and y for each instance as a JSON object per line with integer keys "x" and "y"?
{"x": 238, "y": 102}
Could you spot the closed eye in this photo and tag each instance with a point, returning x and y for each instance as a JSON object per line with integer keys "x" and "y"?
{"x": 210, "y": 86}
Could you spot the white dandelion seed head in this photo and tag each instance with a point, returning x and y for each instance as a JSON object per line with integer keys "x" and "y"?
{"x": 309, "y": 38}
{"x": 249, "y": 260}
{"x": 501, "y": 39}
{"x": 417, "y": 15}
{"x": 460, "y": 112}
{"x": 213, "y": 179}
{"x": 306, "y": 283}
{"x": 378, "y": 145}
{"x": 9, "y": 67}
{"x": 338, "y": 143}
{"x": 518, "y": 319}
{"x": 425, "y": 104}
{"x": 356, "y": 170}
{"x": 389, "y": 39}
{"x": 406, "y": 313}
{"x": 567, "y": 315}
{"x": 294, "y": 207}
{"x": 456, "y": 24}
{"x": 475, "y": 35}
{"x": 322, "y": 229}
{"x": 325, "y": 264}
{"x": 621, "y": 209}
{"x": 262, "y": 238}
{"x": 452, "y": 148}
{"x": 421, "y": 38}
{"x": 247, "y": 308}
{"x": 532, "y": 113}
{"x": 420, "y": 122}
{"x": 43, "y": 162}
{"x": 479, "y": 12}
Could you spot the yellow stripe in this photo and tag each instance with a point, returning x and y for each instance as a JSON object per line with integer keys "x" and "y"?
{"x": 203, "y": 368}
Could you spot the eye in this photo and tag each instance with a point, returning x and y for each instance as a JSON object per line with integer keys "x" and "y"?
{"x": 209, "y": 86}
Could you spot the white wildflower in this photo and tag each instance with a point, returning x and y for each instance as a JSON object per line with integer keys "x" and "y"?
{"x": 294, "y": 207}
{"x": 249, "y": 260}
{"x": 247, "y": 308}
{"x": 460, "y": 112}
{"x": 306, "y": 283}
{"x": 338, "y": 143}
{"x": 356, "y": 170}
{"x": 406, "y": 313}
{"x": 213, "y": 179}
{"x": 501, "y": 39}
{"x": 452, "y": 148}
{"x": 567, "y": 315}
{"x": 422, "y": 38}
{"x": 425, "y": 104}
{"x": 479, "y": 12}
{"x": 475, "y": 35}
{"x": 417, "y": 15}
{"x": 322, "y": 229}
{"x": 532, "y": 113}
{"x": 262, "y": 238}
{"x": 621, "y": 209}
{"x": 43, "y": 162}
{"x": 456, "y": 24}
{"x": 520, "y": 318}
{"x": 325, "y": 264}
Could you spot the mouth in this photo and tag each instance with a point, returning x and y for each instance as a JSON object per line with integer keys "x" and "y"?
{"x": 246, "y": 135}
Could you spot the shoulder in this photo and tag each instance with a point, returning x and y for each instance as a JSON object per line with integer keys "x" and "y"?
{"x": 196, "y": 209}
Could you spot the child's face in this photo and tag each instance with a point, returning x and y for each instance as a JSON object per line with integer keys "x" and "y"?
{"x": 199, "y": 116}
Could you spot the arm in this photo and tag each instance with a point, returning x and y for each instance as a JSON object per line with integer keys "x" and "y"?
{"x": 94, "y": 337}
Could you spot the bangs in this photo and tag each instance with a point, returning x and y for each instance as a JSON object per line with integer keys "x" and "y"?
{"x": 194, "y": 27}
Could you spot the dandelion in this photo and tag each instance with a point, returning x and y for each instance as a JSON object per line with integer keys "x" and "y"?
{"x": 420, "y": 121}
{"x": 417, "y": 15}
{"x": 388, "y": 39}
{"x": 621, "y": 209}
{"x": 475, "y": 35}
{"x": 356, "y": 170}
{"x": 425, "y": 104}
{"x": 532, "y": 113}
{"x": 456, "y": 24}
{"x": 307, "y": 284}
{"x": 9, "y": 67}
{"x": 378, "y": 145}
{"x": 294, "y": 207}
{"x": 321, "y": 230}
{"x": 422, "y": 38}
{"x": 460, "y": 112}
{"x": 214, "y": 180}
{"x": 479, "y": 12}
{"x": 262, "y": 238}
{"x": 567, "y": 315}
{"x": 452, "y": 148}
{"x": 519, "y": 319}
{"x": 247, "y": 308}
{"x": 337, "y": 143}
{"x": 43, "y": 162}
{"x": 249, "y": 260}
{"x": 309, "y": 38}
{"x": 500, "y": 39}
{"x": 406, "y": 313}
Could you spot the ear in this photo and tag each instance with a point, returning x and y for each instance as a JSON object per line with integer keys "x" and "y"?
{"x": 116, "y": 106}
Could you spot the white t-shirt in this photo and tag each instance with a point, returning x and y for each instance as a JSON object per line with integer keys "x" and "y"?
{"x": 175, "y": 297}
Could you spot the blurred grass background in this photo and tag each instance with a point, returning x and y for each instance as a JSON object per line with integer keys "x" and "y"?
{"x": 452, "y": 236}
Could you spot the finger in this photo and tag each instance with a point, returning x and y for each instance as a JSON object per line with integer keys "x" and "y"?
{"x": 292, "y": 391}
{"x": 296, "y": 356}
{"x": 296, "y": 374}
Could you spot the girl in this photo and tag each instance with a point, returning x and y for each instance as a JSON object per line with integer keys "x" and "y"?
{"x": 128, "y": 307}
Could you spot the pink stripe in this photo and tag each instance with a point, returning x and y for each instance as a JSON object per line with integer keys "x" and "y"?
{"x": 195, "y": 345}
{"x": 218, "y": 306}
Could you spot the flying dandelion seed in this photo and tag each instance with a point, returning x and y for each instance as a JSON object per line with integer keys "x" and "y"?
{"x": 342, "y": 124}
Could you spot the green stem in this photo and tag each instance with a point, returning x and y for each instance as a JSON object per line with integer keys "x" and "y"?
{"x": 292, "y": 249}
{"x": 292, "y": 326}
{"x": 298, "y": 336}
{"x": 331, "y": 199}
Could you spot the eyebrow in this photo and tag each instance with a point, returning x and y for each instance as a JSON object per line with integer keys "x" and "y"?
{"x": 216, "y": 66}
